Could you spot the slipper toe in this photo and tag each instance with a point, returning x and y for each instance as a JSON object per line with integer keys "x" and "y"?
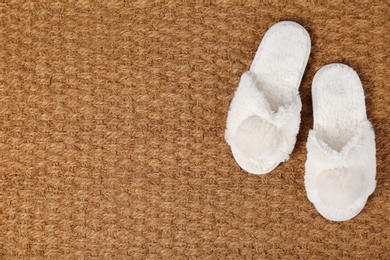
{"x": 257, "y": 139}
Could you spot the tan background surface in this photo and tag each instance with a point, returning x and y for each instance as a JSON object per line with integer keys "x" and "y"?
{"x": 112, "y": 118}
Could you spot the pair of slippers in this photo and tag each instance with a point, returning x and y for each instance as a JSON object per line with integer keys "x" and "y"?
{"x": 264, "y": 118}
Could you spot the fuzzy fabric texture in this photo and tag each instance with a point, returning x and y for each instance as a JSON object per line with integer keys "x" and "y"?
{"x": 264, "y": 115}
{"x": 341, "y": 163}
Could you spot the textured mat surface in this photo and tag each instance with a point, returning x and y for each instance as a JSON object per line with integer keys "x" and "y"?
{"x": 111, "y": 132}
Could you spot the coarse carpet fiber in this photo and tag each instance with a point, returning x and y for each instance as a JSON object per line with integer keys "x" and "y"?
{"x": 112, "y": 118}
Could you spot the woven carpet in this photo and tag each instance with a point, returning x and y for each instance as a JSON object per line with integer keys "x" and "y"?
{"x": 112, "y": 119}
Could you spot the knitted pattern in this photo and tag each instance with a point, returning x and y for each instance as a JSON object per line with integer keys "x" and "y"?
{"x": 112, "y": 120}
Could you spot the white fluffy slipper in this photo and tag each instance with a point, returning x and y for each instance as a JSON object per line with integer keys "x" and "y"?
{"x": 264, "y": 115}
{"x": 341, "y": 165}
